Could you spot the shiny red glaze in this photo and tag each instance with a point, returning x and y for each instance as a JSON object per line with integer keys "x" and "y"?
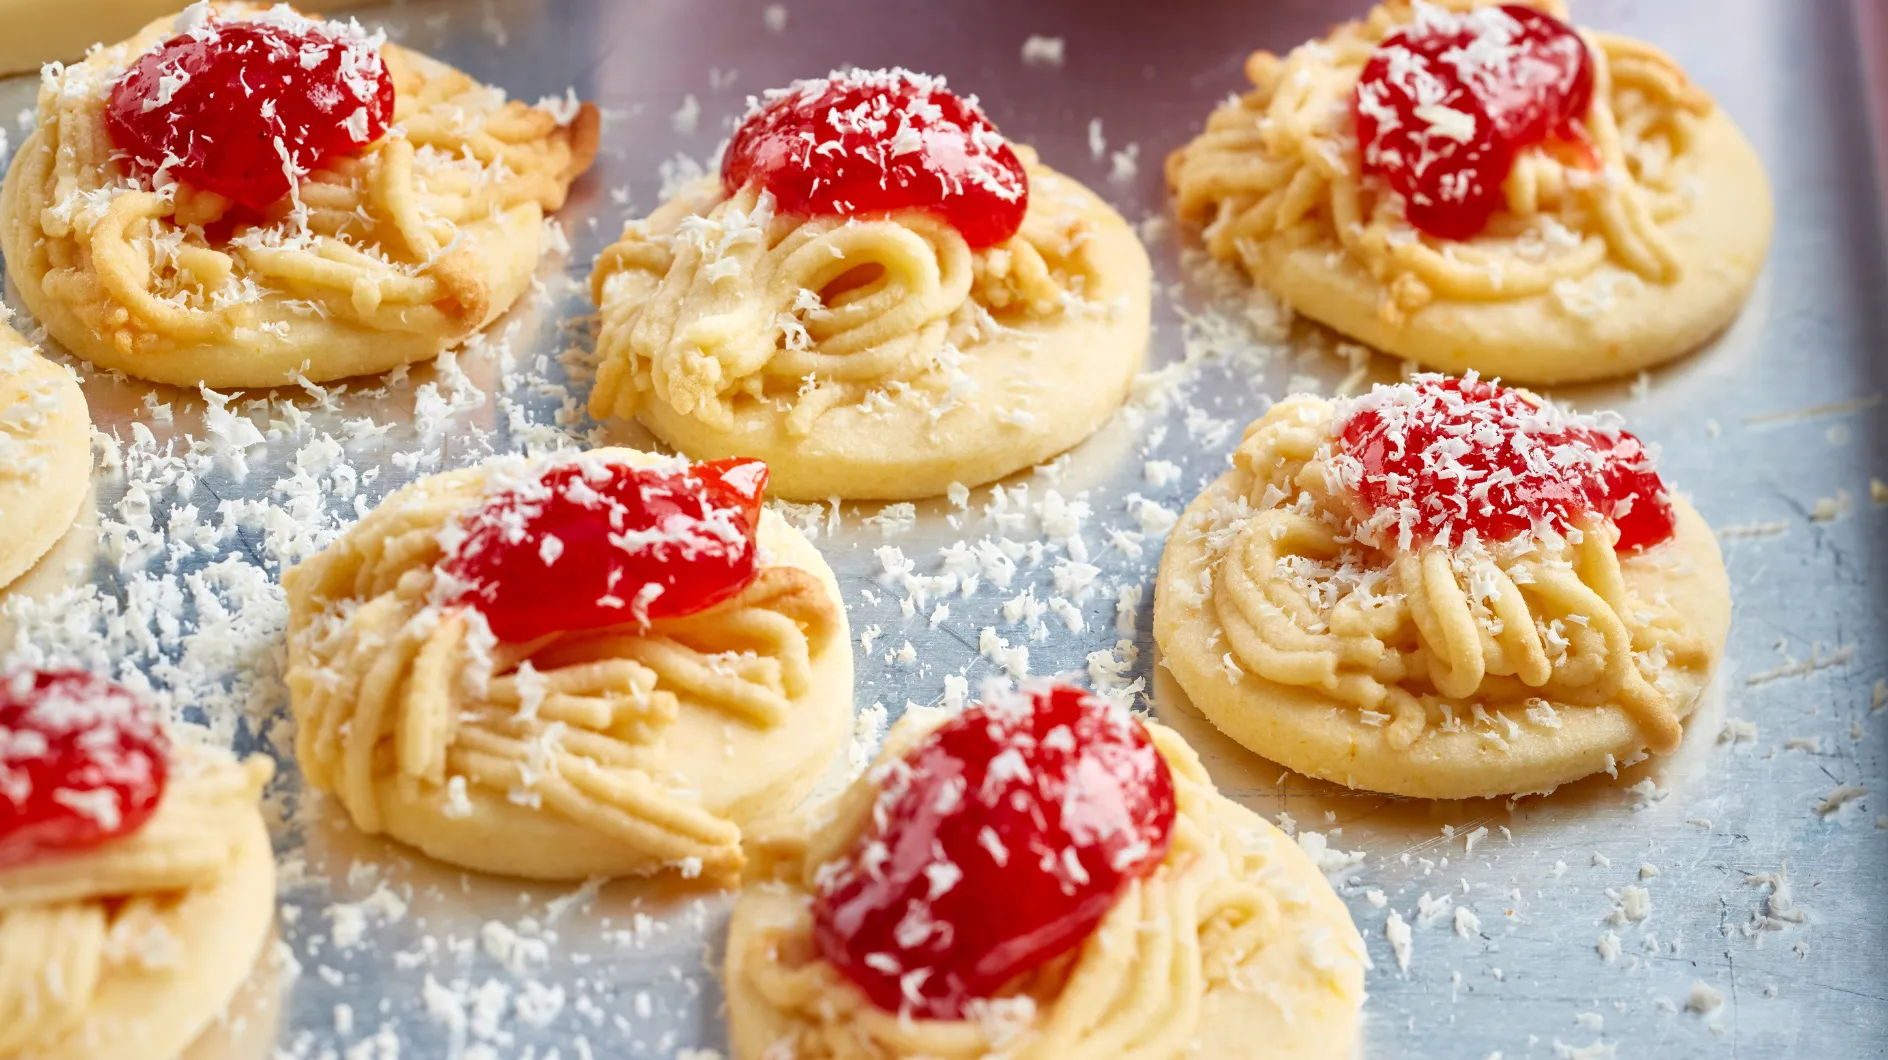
{"x": 999, "y": 842}
{"x": 247, "y": 108}
{"x": 82, "y": 761}
{"x": 869, "y": 142}
{"x": 630, "y": 544}
{"x": 1473, "y": 456}
{"x": 1522, "y": 77}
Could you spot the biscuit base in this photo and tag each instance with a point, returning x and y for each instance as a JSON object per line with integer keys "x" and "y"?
{"x": 40, "y": 510}
{"x": 1070, "y": 374}
{"x": 1314, "y": 734}
{"x": 220, "y": 931}
{"x": 1289, "y": 1009}
{"x": 319, "y": 349}
{"x": 1720, "y": 242}
{"x": 43, "y": 31}
{"x": 741, "y": 772}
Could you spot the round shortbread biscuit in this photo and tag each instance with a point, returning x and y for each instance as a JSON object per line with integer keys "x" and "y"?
{"x": 1321, "y": 736}
{"x": 678, "y": 789}
{"x": 1297, "y": 994}
{"x": 368, "y": 284}
{"x": 1635, "y": 246}
{"x": 205, "y": 941}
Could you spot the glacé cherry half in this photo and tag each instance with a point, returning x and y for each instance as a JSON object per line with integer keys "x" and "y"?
{"x": 246, "y": 108}
{"x": 587, "y": 543}
{"x": 999, "y": 842}
{"x": 1445, "y": 105}
{"x": 1439, "y": 458}
{"x": 82, "y": 761}
{"x": 868, "y": 142}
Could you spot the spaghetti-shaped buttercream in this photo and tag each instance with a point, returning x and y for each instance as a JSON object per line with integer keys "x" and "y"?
{"x": 714, "y": 300}
{"x": 1426, "y": 634}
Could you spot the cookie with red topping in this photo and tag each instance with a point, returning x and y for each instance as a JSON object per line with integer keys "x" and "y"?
{"x": 1444, "y": 588}
{"x": 45, "y": 453}
{"x": 1042, "y": 876}
{"x": 1482, "y": 186}
{"x": 878, "y": 295}
{"x": 242, "y": 196}
{"x": 602, "y": 663}
{"x": 137, "y": 882}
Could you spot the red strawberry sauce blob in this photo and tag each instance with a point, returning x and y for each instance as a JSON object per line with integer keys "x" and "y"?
{"x": 82, "y": 761}
{"x": 999, "y": 842}
{"x": 1438, "y": 458}
{"x": 589, "y": 543}
{"x": 247, "y": 108}
{"x": 867, "y": 142}
{"x": 1445, "y": 105}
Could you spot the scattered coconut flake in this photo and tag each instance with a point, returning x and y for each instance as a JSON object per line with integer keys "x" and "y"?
{"x": 1467, "y": 924}
{"x": 1395, "y": 930}
{"x": 1779, "y": 909}
{"x": 1839, "y": 796}
{"x": 1829, "y": 509}
{"x": 1608, "y": 947}
{"x": 1743, "y": 531}
{"x": 1842, "y": 656}
{"x": 1634, "y": 904}
{"x": 1592, "y": 1051}
{"x": 1043, "y": 51}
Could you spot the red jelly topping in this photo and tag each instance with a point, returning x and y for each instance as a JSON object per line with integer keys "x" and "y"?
{"x": 589, "y": 543}
{"x": 1445, "y": 105}
{"x": 873, "y": 141}
{"x": 1439, "y": 459}
{"x": 999, "y": 842}
{"x": 246, "y": 108}
{"x": 82, "y": 761}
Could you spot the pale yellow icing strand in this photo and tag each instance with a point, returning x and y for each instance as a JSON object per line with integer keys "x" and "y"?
{"x": 377, "y": 247}
{"x": 1416, "y": 637}
{"x": 1281, "y": 164}
{"x": 51, "y": 959}
{"x": 1133, "y": 990}
{"x": 715, "y": 300}
{"x": 389, "y": 688}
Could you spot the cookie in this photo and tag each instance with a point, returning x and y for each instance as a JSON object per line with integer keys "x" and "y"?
{"x": 365, "y": 211}
{"x": 911, "y": 304}
{"x": 131, "y": 913}
{"x": 1485, "y": 188}
{"x": 45, "y": 453}
{"x": 1042, "y": 876}
{"x": 594, "y": 664}
{"x": 1442, "y": 589}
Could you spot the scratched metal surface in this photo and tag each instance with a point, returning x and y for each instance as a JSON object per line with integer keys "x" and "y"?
{"x": 628, "y": 971}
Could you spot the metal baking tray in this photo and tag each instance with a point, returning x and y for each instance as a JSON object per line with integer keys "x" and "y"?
{"x": 1776, "y": 432}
